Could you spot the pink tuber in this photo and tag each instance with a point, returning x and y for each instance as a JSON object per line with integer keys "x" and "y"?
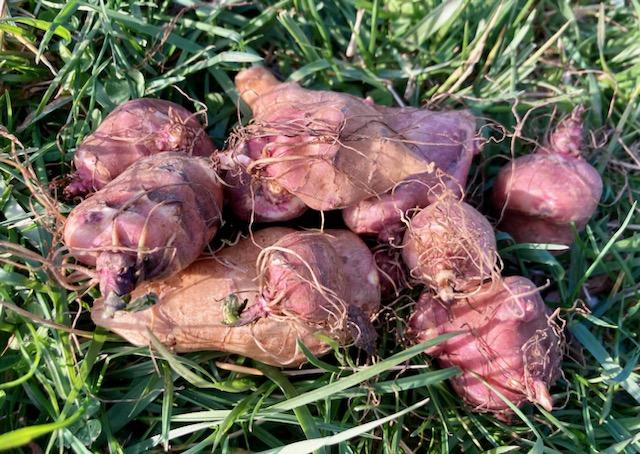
{"x": 135, "y": 129}
{"x": 508, "y": 340}
{"x": 331, "y": 150}
{"x": 446, "y": 139}
{"x": 149, "y": 223}
{"x": 539, "y": 196}
{"x": 451, "y": 247}
{"x": 328, "y": 279}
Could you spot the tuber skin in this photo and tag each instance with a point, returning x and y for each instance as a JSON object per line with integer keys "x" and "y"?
{"x": 392, "y": 271}
{"x": 507, "y": 339}
{"x": 259, "y": 198}
{"x": 152, "y": 221}
{"x": 328, "y": 279}
{"x": 329, "y": 149}
{"x": 303, "y": 276}
{"x": 447, "y": 139}
{"x": 451, "y": 247}
{"x": 252, "y": 83}
{"x": 189, "y": 312}
{"x": 539, "y": 196}
{"x": 138, "y": 128}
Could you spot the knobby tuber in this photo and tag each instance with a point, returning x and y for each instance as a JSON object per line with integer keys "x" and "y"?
{"x": 150, "y": 222}
{"x": 328, "y": 279}
{"x": 447, "y": 139}
{"x": 451, "y": 247}
{"x": 257, "y": 197}
{"x": 508, "y": 340}
{"x": 135, "y": 129}
{"x": 539, "y": 196}
{"x": 331, "y": 150}
{"x": 191, "y": 312}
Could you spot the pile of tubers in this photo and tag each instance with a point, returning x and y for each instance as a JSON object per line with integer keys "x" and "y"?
{"x": 157, "y": 190}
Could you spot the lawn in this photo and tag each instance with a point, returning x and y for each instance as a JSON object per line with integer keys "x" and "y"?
{"x": 66, "y": 386}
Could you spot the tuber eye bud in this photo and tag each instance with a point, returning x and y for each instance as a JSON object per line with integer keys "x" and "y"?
{"x": 232, "y": 309}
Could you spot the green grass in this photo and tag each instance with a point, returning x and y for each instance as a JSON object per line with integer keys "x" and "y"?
{"x": 64, "y": 65}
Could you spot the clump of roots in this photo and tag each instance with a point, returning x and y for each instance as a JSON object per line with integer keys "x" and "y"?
{"x": 177, "y": 135}
{"x": 542, "y": 358}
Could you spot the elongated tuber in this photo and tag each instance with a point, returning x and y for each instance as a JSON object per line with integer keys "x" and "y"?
{"x": 331, "y": 150}
{"x": 191, "y": 309}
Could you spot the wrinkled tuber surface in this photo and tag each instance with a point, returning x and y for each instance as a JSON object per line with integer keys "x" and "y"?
{"x": 447, "y": 139}
{"x": 150, "y": 222}
{"x": 136, "y": 129}
{"x": 331, "y": 150}
{"x": 538, "y": 196}
{"x": 450, "y": 246}
{"x": 508, "y": 340}
{"x": 190, "y": 312}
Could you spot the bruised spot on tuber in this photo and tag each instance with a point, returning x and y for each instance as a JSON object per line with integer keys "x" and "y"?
{"x": 361, "y": 329}
{"x": 117, "y": 273}
{"x": 112, "y": 304}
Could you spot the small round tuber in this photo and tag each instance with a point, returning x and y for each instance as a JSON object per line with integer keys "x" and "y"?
{"x": 451, "y": 247}
{"x": 539, "y": 196}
